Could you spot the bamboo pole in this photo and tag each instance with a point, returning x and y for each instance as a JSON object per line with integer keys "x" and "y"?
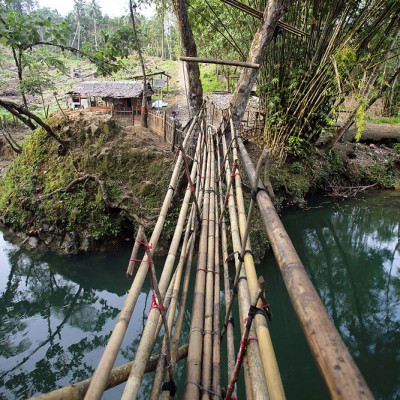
{"x": 341, "y": 375}
{"x": 270, "y": 365}
{"x": 247, "y": 226}
{"x": 158, "y": 376}
{"x": 182, "y": 307}
{"x": 229, "y": 333}
{"x": 256, "y": 386}
{"x": 118, "y": 375}
{"x": 135, "y": 250}
{"x": 107, "y": 360}
{"x": 193, "y": 366}
{"x": 209, "y": 284}
{"x": 148, "y": 337}
{"x": 216, "y": 366}
{"x": 223, "y": 62}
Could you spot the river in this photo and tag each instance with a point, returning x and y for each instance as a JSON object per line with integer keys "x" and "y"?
{"x": 56, "y": 313}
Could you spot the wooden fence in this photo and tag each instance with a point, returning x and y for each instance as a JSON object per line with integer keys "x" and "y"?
{"x": 252, "y": 124}
{"x": 164, "y": 127}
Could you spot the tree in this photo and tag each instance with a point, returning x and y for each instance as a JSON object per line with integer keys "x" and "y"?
{"x": 189, "y": 49}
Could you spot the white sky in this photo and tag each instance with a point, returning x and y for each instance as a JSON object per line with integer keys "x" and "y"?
{"x": 113, "y": 8}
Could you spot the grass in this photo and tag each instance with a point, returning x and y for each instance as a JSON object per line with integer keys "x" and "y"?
{"x": 384, "y": 120}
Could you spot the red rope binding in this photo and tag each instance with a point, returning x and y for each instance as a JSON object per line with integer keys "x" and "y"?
{"x": 154, "y": 304}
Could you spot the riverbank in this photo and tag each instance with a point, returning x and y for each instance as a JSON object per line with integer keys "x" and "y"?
{"x": 114, "y": 178}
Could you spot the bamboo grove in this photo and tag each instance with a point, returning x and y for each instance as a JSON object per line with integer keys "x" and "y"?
{"x": 349, "y": 51}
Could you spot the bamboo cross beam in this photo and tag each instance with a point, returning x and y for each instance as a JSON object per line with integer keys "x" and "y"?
{"x": 222, "y": 62}
{"x": 258, "y": 14}
{"x": 118, "y": 375}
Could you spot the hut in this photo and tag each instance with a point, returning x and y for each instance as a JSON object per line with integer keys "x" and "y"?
{"x": 123, "y": 99}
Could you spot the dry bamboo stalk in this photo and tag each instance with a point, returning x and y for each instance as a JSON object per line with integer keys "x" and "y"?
{"x": 337, "y": 367}
{"x": 193, "y": 366}
{"x": 118, "y": 375}
{"x": 209, "y": 286}
{"x": 135, "y": 250}
{"x": 270, "y": 365}
{"x": 216, "y": 366}
{"x": 107, "y": 360}
{"x": 229, "y": 333}
{"x": 256, "y": 386}
{"x": 147, "y": 342}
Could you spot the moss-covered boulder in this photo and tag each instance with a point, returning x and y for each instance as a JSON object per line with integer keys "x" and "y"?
{"x": 110, "y": 179}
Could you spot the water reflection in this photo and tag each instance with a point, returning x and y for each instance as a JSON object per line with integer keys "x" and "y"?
{"x": 56, "y": 315}
{"x": 352, "y": 253}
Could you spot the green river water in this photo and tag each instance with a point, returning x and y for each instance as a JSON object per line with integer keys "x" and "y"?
{"x": 56, "y": 313}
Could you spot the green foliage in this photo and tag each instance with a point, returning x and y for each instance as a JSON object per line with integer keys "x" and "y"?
{"x": 396, "y": 147}
{"x": 360, "y": 121}
{"x": 383, "y": 120}
{"x": 209, "y": 79}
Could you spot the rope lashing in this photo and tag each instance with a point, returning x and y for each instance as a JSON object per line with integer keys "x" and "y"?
{"x": 154, "y": 304}
{"x": 253, "y": 311}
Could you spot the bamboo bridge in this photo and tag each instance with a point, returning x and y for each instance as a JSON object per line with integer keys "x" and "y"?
{"x": 212, "y": 160}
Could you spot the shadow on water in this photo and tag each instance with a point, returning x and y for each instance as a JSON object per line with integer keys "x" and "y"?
{"x": 57, "y": 313}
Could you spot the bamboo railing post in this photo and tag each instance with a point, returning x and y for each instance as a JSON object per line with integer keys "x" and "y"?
{"x": 341, "y": 375}
{"x": 110, "y": 353}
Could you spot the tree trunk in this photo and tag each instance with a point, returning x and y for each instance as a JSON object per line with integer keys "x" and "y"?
{"x": 144, "y": 98}
{"x": 189, "y": 49}
{"x": 256, "y": 55}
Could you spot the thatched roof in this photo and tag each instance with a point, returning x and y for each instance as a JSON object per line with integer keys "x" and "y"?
{"x": 116, "y": 89}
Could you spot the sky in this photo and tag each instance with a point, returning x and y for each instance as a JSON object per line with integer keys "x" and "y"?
{"x": 113, "y": 8}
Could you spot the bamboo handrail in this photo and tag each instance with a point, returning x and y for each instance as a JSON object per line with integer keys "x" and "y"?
{"x": 148, "y": 337}
{"x": 110, "y": 353}
{"x": 341, "y": 375}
